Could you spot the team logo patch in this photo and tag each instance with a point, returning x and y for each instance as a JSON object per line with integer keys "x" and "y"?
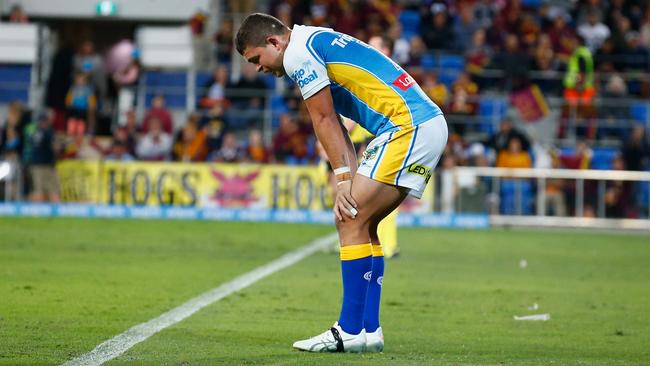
{"x": 367, "y": 275}
{"x": 420, "y": 170}
{"x": 404, "y": 81}
{"x": 380, "y": 280}
{"x": 370, "y": 153}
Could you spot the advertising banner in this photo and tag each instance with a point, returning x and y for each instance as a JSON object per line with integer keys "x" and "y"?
{"x": 209, "y": 185}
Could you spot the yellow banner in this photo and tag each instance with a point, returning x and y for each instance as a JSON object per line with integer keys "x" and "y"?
{"x": 196, "y": 184}
{"x": 202, "y": 184}
{"x": 79, "y": 180}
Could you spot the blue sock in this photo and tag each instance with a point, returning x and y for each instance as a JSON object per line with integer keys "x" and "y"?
{"x": 371, "y": 311}
{"x": 356, "y": 267}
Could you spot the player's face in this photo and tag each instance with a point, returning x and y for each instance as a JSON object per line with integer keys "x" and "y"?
{"x": 267, "y": 59}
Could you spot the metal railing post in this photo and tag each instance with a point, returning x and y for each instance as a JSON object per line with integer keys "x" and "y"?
{"x": 190, "y": 96}
{"x": 541, "y": 196}
{"x": 580, "y": 197}
{"x": 601, "y": 198}
{"x": 496, "y": 189}
{"x": 267, "y": 128}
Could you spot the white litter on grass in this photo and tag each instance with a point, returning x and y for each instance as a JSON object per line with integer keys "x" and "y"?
{"x": 533, "y": 307}
{"x": 523, "y": 263}
{"x": 542, "y": 317}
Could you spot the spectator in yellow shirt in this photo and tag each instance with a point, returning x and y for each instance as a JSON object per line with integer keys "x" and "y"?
{"x": 435, "y": 90}
{"x": 514, "y": 156}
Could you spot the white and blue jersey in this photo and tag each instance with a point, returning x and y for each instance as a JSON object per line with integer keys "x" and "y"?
{"x": 366, "y": 86}
{"x": 379, "y": 95}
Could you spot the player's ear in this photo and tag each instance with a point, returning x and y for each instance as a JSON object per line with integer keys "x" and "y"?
{"x": 273, "y": 41}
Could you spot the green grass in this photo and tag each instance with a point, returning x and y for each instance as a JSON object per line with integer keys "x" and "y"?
{"x": 66, "y": 285}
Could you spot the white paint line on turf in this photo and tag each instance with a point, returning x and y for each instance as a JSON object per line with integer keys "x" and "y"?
{"x": 122, "y": 342}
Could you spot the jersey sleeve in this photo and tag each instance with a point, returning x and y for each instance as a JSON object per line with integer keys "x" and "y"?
{"x": 306, "y": 69}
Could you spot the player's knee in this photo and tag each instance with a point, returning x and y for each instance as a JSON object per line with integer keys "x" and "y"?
{"x": 352, "y": 228}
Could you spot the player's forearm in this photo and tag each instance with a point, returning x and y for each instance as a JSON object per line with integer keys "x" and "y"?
{"x": 330, "y": 134}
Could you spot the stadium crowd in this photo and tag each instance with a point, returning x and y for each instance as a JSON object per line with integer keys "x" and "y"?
{"x": 571, "y": 51}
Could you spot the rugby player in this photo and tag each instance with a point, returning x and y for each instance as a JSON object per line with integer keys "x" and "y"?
{"x": 339, "y": 74}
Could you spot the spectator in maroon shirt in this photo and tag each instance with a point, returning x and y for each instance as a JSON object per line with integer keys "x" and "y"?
{"x": 561, "y": 35}
{"x": 289, "y": 142}
{"x": 160, "y": 112}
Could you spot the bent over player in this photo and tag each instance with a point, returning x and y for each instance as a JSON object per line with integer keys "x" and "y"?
{"x": 338, "y": 74}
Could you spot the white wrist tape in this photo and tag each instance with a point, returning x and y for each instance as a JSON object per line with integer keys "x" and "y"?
{"x": 341, "y": 182}
{"x": 342, "y": 170}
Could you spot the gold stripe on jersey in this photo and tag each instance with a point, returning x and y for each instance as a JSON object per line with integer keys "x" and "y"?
{"x": 372, "y": 91}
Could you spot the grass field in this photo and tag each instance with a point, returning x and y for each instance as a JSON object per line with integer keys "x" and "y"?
{"x": 67, "y": 285}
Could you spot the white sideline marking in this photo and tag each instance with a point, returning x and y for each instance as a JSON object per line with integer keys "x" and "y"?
{"x": 121, "y": 343}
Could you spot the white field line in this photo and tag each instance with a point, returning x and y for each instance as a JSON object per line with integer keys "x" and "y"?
{"x": 122, "y": 342}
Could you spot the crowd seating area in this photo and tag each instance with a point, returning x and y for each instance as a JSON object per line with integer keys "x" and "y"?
{"x": 486, "y": 63}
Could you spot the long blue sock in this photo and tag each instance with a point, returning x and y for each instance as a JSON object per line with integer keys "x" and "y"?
{"x": 356, "y": 267}
{"x": 371, "y": 311}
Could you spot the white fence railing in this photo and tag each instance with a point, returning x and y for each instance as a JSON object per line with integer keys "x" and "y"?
{"x": 549, "y": 197}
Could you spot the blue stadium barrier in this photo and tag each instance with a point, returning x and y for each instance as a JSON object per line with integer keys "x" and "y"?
{"x": 567, "y": 150}
{"x": 490, "y": 112}
{"x": 428, "y": 62}
{"x": 172, "y": 100}
{"x": 9, "y": 95}
{"x": 510, "y": 203}
{"x": 201, "y": 82}
{"x": 448, "y": 77}
{"x": 16, "y": 73}
{"x": 410, "y": 21}
{"x": 452, "y": 62}
{"x": 531, "y": 3}
{"x": 202, "y": 78}
{"x": 171, "y": 84}
{"x": 469, "y": 221}
{"x": 640, "y": 112}
{"x": 165, "y": 78}
{"x": 278, "y": 106}
{"x": 603, "y": 157}
{"x": 269, "y": 80}
{"x": 15, "y": 81}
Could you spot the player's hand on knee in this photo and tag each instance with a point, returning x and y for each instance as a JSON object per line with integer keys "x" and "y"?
{"x": 344, "y": 204}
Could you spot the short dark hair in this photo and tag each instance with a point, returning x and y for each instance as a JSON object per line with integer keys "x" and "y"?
{"x": 255, "y": 28}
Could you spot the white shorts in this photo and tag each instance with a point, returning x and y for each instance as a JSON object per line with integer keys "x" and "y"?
{"x": 406, "y": 158}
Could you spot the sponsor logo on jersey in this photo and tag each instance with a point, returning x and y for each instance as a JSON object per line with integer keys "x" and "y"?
{"x": 420, "y": 170}
{"x": 404, "y": 81}
{"x": 304, "y": 75}
{"x": 343, "y": 40}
